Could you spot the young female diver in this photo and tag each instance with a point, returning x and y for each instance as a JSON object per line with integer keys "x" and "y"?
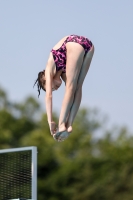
{"x": 69, "y": 60}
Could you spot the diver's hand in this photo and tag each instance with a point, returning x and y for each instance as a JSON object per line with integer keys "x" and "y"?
{"x": 52, "y": 127}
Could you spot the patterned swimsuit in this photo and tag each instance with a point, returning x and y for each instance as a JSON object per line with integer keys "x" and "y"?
{"x": 59, "y": 55}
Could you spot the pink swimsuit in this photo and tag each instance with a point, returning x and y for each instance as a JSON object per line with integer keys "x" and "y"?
{"x": 59, "y": 55}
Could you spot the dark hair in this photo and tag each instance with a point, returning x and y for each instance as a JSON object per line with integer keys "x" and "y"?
{"x": 40, "y": 81}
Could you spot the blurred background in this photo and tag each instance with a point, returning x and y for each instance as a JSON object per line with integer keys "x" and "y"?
{"x": 96, "y": 160}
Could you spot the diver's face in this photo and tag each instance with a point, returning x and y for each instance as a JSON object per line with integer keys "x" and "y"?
{"x": 55, "y": 84}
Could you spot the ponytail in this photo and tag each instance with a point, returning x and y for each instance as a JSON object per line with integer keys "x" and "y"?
{"x": 40, "y": 82}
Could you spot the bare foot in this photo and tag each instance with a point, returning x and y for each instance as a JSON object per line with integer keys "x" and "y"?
{"x": 69, "y": 129}
{"x": 60, "y": 136}
{"x": 62, "y": 133}
{"x": 61, "y": 128}
{"x": 63, "y": 136}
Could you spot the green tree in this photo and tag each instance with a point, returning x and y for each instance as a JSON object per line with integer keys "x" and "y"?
{"x": 80, "y": 168}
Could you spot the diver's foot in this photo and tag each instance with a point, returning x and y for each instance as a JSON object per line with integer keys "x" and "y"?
{"x": 61, "y": 128}
{"x": 61, "y": 136}
{"x": 69, "y": 129}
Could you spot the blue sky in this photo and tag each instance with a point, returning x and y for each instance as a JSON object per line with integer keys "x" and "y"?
{"x": 30, "y": 28}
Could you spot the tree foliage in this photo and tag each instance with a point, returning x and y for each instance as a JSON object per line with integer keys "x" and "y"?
{"x": 80, "y": 168}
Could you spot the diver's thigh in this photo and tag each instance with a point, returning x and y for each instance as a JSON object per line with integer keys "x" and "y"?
{"x": 85, "y": 66}
{"x": 75, "y": 55}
